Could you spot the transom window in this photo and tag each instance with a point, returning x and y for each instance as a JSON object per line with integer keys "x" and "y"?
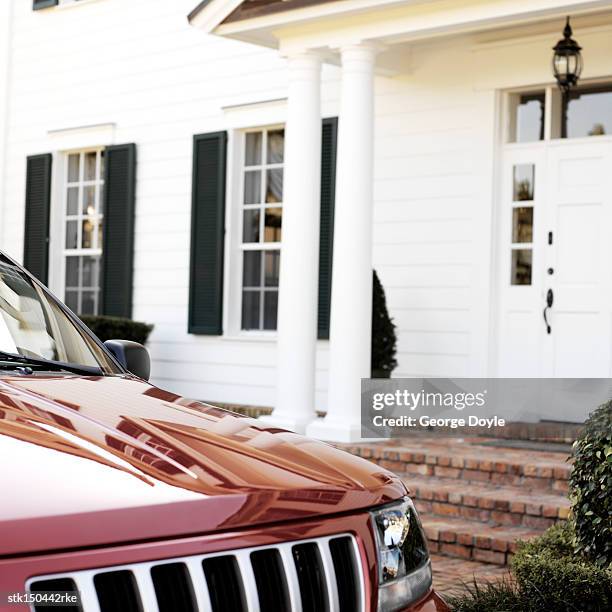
{"x": 262, "y": 201}
{"x": 83, "y": 201}
{"x": 587, "y": 111}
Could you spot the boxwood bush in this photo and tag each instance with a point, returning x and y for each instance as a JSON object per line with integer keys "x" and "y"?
{"x": 591, "y": 488}
{"x": 550, "y": 576}
{"x": 546, "y": 576}
{"x": 117, "y": 328}
{"x": 384, "y": 339}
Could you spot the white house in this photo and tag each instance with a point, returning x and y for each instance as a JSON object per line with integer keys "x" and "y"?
{"x": 239, "y": 167}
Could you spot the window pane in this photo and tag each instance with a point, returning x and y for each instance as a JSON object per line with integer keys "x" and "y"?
{"x": 274, "y": 186}
{"x": 88, "y": 305}
{"x": 272, "y": 268}
{"x": 90, "y": 166}
{"x": 253, "y": 149}
{"x": 270, "y": 309}
{"x": 89, "y": 200}
{"x": 523, "y": 182}
{"x": 273, "y": 222}
{"x": 72, "y": 271}
{"x": 73, "y": 168}
{"x": 276, "y": 146}
{"x": 521, "y": 267}
{"x": 522, "y": 224}
{"x": 72, "y": 201}
{"x": 72, "y": 300}
{"x": 71, "y": 234}
{"x": 589, "y": 113}
{"x": 102, "y": 165}
{"x": 250, "y": 309}
{"x": 90, "y": 271}
{"x": 100, "y": 235}
{"x": 251, "y": 271}
{"x": 250, "y": 226}
{"x": 87, "y": 234}
{"x": 530, "y": 118}
{"x": 252, "y": 187}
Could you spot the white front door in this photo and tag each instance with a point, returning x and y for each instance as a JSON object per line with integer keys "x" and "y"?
{"x": 555, "y": 244}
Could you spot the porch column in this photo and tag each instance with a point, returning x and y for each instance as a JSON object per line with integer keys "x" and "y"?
{"x": 351, "y": 303}
{"x": 299, "y": 264}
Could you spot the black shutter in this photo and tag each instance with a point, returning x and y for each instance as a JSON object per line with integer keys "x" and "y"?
{"x": 326, "y": 237}
{"x": 41, "y": 4}
{"x": 118, "y": 249}
{"x": 207, "y": 234}
{"x": 37, "y": 209}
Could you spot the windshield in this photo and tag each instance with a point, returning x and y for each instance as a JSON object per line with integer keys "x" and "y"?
{"x": 32, "y": 324}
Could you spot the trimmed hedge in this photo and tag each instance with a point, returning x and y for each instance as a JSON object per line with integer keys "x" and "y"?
{"x": 547, "y": 576}
{"x": 117, "y": 328}
{"x": 384, "y": 339}
{"x": 551, "y": 577}
{"x": 591, "y": 488}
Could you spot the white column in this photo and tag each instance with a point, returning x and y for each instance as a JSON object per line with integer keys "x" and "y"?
{"x": 351, "y": 304}
{"x": 299, "y": 267}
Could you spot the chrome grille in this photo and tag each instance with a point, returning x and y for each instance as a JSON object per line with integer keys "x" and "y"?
{"x": 303, "y": 576}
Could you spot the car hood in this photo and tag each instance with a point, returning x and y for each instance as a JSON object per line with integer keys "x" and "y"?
{"x": 91, "y": 461}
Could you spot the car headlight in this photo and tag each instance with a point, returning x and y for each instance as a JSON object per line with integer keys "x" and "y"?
{"x": 404, "y": 569}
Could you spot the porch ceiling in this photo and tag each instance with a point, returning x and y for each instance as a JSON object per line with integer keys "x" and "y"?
{"x": 294, "y": 25}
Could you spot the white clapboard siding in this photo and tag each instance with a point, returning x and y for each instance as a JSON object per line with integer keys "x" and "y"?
{"x": 139, "y": 66}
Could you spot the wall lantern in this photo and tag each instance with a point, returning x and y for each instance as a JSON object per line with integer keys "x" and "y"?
{"x": 567, "y": 66}
{"x": 567, "y": 61}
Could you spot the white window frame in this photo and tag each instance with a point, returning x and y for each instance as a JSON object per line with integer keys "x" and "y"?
{"x": 96, "y": 249}
{"x": 234, "y": 222}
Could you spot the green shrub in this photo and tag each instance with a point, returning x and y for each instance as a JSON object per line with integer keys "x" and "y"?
{"x": 547, "y": 576}
{"x": 117, "y": 328}
{"x": 384, "y": 340}
{"x": 488, "y": 597}
{"x": 551, "y": 577}
{"x": 591, "y": 488}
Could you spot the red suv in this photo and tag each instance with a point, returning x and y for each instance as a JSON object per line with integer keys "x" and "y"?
{"x": 125, "y": 497}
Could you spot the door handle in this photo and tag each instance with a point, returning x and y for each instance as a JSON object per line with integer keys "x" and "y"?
{"x": 549, "y": 302}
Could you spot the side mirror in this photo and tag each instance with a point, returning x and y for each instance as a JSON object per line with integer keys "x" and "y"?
{"x": 133, "y": 356}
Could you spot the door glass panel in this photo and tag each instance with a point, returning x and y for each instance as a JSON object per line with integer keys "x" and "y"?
{"x": 589, "y": 112}
{"x": 522, "y": 224}
{"x": 529, "y": 118}
{"x": 523, "y": 182}
{"x": 521, "y": 267}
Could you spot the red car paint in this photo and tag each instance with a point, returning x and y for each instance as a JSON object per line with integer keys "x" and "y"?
{"x": 100, "y": 471}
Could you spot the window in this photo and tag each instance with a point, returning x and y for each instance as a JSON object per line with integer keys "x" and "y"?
{"x": 589, "y": 112}
{"x": 262, "y": 200}
{"x": 523, "y": 186}
{"x": 83, "y": 201}
{"x": 528, "y": 117}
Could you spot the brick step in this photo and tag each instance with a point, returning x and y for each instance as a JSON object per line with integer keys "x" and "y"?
{"x": 469, "y": 462}
{"x": 464, "y": 539}
{"x": 487, "y": 503}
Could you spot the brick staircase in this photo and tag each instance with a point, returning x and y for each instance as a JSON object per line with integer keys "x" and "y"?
{"x": 475, "y": 500}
